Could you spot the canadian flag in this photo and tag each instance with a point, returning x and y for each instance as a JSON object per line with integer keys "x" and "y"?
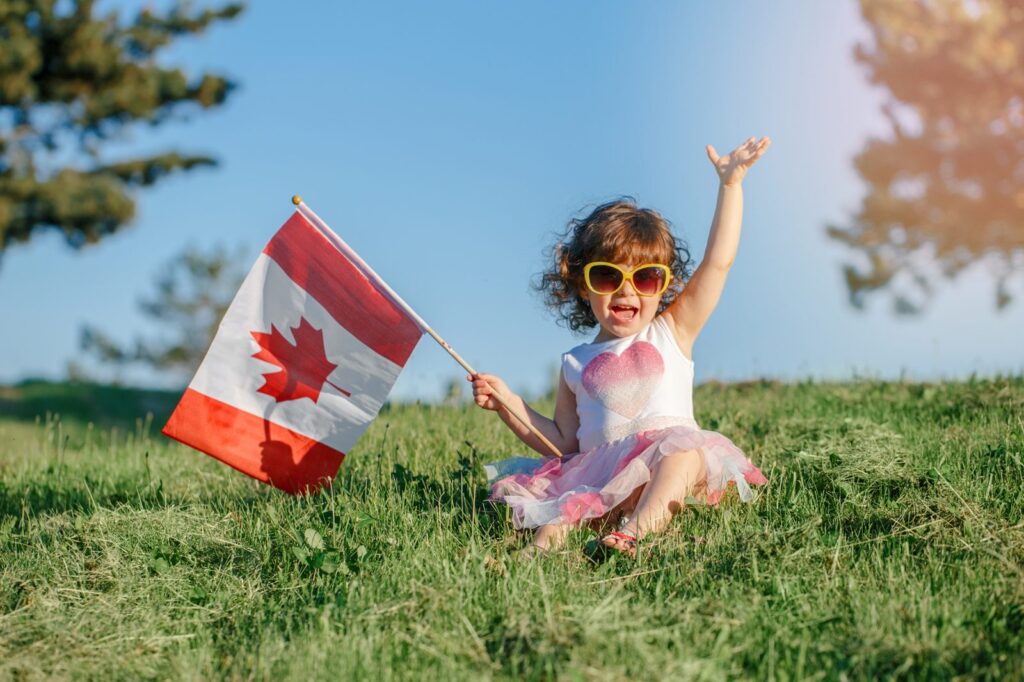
{"x": 300, "y": 365}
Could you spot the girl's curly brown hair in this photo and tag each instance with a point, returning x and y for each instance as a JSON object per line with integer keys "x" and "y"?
{"x": 618, "y": 232}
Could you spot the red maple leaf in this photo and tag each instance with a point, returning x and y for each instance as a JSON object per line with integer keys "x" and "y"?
{"x": 304, "y": 366}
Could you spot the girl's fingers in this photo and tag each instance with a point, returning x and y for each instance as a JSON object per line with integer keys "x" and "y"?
{"x": 712, "y": 154}
{"x": 482, "y": 380}
{"x": 488, "y": 378}
{"x": 483, "y": 390}
{"x": 753, "y": 143}
{"x": 760, "y": 150}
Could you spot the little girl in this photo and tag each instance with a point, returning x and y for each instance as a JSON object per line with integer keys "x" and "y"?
{"x": 624, "y": 409}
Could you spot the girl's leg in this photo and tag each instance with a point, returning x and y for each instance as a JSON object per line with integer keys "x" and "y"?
{"x": 613, "y": 519}
{"x": 672, "y": 479}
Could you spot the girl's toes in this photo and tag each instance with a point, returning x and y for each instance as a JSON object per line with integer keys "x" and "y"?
{"x": 626, "y": 547}
{"x": 620, "y": 542}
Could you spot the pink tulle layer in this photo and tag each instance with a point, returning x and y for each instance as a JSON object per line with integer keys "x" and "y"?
{"x": 589, "y": 485}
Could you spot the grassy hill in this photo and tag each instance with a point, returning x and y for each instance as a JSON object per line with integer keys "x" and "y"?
{"x": 888, "y": 543}
{"x": 82, "y": 403}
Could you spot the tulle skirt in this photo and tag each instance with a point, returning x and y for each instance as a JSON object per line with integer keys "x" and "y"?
{"x": 591, "y": 484}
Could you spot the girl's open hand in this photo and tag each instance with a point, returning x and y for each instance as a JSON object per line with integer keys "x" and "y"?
{"x": 734, "y": 165}
{"x": 484, "y": 388}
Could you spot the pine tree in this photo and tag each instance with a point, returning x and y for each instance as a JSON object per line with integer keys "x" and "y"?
{"x": 946, "y": 188}
{"x": 72, "y": 82}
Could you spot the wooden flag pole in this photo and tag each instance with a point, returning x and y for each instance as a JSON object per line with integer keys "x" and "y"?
{"x": 397, "y": 300}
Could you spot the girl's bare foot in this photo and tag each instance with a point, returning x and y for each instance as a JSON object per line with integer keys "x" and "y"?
{"x": 533, "y": 551}
{"x": 547, "y": 540}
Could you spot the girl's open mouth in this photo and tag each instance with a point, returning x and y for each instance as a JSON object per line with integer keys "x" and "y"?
{"x": 624, "y": 313}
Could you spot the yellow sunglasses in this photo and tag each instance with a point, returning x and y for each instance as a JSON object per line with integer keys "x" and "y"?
{"x": 649, "y": 279}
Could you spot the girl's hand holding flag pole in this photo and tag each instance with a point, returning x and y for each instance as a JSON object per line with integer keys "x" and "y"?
{"x": 286, "y": 410}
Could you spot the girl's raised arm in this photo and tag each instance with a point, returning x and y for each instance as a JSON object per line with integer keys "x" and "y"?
{"x": 694, "y": 305}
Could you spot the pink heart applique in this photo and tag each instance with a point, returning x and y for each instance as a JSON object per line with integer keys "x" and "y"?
{"x": 624, "y": 383}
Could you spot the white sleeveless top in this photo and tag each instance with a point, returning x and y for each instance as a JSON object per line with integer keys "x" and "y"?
{"x": 628, "y": 385}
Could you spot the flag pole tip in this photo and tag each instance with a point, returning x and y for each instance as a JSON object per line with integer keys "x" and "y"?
{"x": 296, "y": 200}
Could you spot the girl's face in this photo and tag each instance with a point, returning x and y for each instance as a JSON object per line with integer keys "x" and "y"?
{"x": 623, "y": 313}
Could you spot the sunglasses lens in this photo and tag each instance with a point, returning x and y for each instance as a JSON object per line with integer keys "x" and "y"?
{"x": 648, "y": 281}
{"x": 604, "y": 279}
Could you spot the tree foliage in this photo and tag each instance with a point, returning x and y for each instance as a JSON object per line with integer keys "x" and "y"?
{"x": 71, "y": 82}
{"x": 192, "y": 293}
{"x": 946, "y": 188}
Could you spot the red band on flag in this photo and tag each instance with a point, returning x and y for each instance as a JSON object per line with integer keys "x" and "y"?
{"x": 253, "y": 445}
{"x": 317, "y": 266}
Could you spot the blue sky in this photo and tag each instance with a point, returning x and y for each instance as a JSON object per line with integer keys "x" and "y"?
{"x": 447, "y": 142}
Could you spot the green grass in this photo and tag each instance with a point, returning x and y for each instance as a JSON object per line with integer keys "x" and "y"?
{"x": 888, "y": 543}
